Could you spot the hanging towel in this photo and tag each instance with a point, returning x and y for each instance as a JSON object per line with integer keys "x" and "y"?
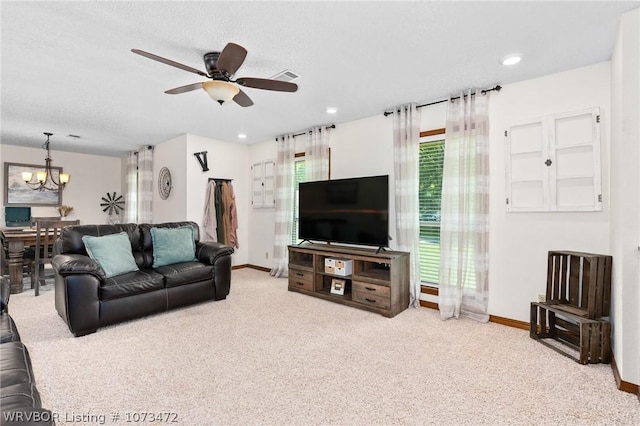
{"x": 226, "y": 202}
{"x": 233, "y": 217}
{"x": 210, "y": 223}
{"x": 220, "y": 213}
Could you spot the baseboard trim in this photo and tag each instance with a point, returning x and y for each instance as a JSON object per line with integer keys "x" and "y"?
{"x": 621, "y": 384}
{"x": 248, "y": 265}
{"x": 509, "y": 322}
{"x": 492, "y": 318}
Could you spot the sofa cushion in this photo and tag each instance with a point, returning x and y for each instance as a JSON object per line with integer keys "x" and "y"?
{"x": 8, "y": 330}
{"x": 112, "y": 252}
{"x": 173, "y": 245}
{"x": 19, "y": 396}
{"x": 185, "y": 273}
{"x": 137, "y": 282}
{"x": 15, "y": 364}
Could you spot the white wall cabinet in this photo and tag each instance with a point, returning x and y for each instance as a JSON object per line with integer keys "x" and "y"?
{"x": 263, "y": 184}
{"x": 553, "y": 163}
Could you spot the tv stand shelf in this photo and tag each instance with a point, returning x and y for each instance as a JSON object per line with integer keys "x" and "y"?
{"x": 379, "y": 281}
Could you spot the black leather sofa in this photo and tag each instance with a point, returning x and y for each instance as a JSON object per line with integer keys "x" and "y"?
{"x": 19, "y": 397}
{"x": 87, "y": 300}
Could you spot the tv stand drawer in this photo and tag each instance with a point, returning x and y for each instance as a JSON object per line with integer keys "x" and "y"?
{"x": 372, "y": 289}
{"x": 372, "y": 299}
{"x": 301, "y": 279}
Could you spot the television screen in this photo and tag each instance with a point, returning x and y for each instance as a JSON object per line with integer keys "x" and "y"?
{"x": 17, "y": 216}
{"x": 354, "y": 211}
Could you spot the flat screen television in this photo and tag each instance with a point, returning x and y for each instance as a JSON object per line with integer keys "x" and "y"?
{"x": 352, "y": 211}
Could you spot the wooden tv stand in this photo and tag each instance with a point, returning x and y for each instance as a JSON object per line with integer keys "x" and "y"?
{"x": 379, "y": 282}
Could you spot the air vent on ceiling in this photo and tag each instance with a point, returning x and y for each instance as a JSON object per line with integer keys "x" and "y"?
{"x": 286, "y": 75}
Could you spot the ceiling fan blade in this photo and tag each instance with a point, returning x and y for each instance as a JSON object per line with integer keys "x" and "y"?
{"x": 267, "y": 84}
{"x": 231, "y": 57}
{"x": 168, "y": 62}
{"x": 242, "y": 99}
{"x": 183, "y": 89}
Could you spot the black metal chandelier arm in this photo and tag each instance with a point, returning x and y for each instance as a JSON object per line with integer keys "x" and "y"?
{"x": 49, "y": 183}
{"x": 37, "y": 185}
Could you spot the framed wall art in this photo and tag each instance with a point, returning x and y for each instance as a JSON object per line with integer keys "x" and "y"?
{"x": 18, "y": 193}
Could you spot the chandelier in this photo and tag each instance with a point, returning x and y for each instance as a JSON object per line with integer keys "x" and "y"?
{"x": 44, "y": 180}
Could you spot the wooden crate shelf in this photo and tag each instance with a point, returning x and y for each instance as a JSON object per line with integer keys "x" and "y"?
{"x": 578, "y": 296}
{"x": 589, "y": 338}
{"x": 580, "y": 281}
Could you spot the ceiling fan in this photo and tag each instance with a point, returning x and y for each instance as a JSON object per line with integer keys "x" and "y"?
{"x": 221, "y": 66}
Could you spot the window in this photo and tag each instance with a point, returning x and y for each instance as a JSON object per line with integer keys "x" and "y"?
{"x": 429, "y": 196}
{"x": 299, "y": 170}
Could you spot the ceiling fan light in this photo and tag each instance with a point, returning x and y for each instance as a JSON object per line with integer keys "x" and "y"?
{"x": 220, "y": 91}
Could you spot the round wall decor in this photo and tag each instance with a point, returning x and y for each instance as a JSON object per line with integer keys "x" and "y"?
{"x": 164, "y": 183}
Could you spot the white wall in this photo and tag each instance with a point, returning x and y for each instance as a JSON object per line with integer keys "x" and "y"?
{"x": 225, "y": 160}
{"x": 625, "y": 197}
{"x": 358, "y": 148}
{"x": 92, "y": 176}
{"x": 519, "y": 242}
{"x": 261, "y": 220}
{"x": 172, "y": 155}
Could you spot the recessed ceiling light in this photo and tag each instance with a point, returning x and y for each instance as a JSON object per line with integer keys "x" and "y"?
{"x": 242, "y": 136}
{"x": 511, "y": 60}
{"x": 331, "y": 110}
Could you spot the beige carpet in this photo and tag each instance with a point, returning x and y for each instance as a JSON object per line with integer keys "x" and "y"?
{"x": 269, "y": 356}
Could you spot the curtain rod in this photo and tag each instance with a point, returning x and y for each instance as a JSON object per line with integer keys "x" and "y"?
{"x": 497, "y": 89}
{"x": 333, "y": 126}
{"x": 220, "y": 179}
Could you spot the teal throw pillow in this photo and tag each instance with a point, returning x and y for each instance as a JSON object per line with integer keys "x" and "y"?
{"x": 173, "y": 245}
{"x": 112, "y": 252}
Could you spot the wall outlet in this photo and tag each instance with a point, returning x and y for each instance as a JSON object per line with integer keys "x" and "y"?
{"x": 542, "y": 297}
{"x": 266, "y": 255}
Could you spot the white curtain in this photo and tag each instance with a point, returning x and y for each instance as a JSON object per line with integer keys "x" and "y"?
{"x": 464, "y": 227}
{"x": 316, "y": 155}
{"x": 131, "y": 197}
{"x": 139, "y": 181}
{"x": 406, "y": 147}
{"x": 145, "y": 184}
{"x": 284, "y": 205}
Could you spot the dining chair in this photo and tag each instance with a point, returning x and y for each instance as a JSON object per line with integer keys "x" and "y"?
{"x": 47, "y": 231}
{"x": 35, "y": 219}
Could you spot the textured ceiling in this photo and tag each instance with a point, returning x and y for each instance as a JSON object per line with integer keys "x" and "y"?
{"x": 67, "y": 67}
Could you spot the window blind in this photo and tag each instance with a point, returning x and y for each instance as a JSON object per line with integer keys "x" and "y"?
{"x": 299, "y": 177}
{"x": 429, "y": 196}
